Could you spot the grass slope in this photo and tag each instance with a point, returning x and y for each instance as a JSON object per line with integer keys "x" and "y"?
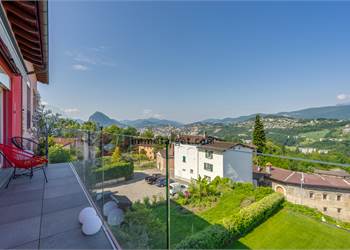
{"x": 291, "y": 230}
{"x": 184, "y": 223}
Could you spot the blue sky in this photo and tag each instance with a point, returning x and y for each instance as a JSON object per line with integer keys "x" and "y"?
{"x": 189, "y": 61}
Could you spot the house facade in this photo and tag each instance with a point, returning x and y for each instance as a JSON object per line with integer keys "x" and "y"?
{"x": 223, "y": 159}
{"x": 161, "y": 160}
{"x": 23, "y": 63}
{"x": 327, "y": 191}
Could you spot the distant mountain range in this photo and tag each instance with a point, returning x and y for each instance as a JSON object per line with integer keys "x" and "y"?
{"x": 340, "y": 112}
{"x": 104, "y": 120}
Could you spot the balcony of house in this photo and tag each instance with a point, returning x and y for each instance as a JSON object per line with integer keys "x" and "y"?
{"x": 40, "y": 215}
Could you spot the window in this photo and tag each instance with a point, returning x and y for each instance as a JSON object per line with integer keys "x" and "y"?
{"x": 207, "y": 177}
{"x": 338, "y": 197}
{"x": 183, "y": 158}
{"x": 191, "y": 171}
{"x": 208, "y": 167}
{"x": 324, "y": 209}
{"x": 311, "y": 195}
{"x": 325, "y": 196}
{"x": 184, "y": 169}
{"x": 209, "y": 154}
{"x": 339, "y": 210}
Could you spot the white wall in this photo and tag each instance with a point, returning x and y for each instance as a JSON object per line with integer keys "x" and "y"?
{"x": 217, "y": 162}
{"x": 238, "y": 164}
{"x": 183, "y": 169}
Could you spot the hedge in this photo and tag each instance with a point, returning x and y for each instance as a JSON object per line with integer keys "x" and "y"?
{"x": 249, "y": 217}
{"x": 58, "y": 154}
{"x": 212, "y": 237}
{"x": 115, "y": 171}
{"x": 234, "y": 226}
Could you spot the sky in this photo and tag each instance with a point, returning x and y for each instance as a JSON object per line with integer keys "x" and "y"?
{"x": 189, "y": 61}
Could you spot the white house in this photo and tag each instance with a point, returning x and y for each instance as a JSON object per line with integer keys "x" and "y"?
{"x": 224, "y": 159}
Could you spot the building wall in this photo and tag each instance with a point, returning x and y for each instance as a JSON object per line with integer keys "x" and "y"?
{"x": 188, "y": 169}
{"x": 148, "y": 150}
{"x": 238, "y": 164}
{"x": 161, "y": 164}
{"x": 216, "y": 161}
{"x": 298, "y": 195}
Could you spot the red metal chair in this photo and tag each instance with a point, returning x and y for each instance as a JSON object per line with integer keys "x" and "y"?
{"x": 18, "y": 158}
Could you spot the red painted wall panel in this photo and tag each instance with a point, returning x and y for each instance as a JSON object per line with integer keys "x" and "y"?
{"x": 16, "y": 90}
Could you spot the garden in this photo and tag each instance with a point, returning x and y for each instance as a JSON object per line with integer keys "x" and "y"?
{"x": 205, "y": 212}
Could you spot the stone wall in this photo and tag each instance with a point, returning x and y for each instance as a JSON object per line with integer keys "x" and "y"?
{"x": 332, "y": 202}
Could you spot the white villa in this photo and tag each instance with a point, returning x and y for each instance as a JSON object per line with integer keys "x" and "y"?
{"x": 224, "y": 159}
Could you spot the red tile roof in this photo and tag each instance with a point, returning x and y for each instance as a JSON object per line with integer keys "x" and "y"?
{"x": 307, "y": 179}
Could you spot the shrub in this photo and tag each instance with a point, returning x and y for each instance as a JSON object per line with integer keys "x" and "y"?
{"x": 249, "y": 217}
{"x": 234, "y": 226}
{"x": 115, "y": 171}
{"x": 141, "y": 229}
{"x": 116, "y": 154}
{"x": 212, "y": 237}
{"x": 58, "y": 154}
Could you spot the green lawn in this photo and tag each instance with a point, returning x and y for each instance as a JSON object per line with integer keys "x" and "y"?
{"x": 288, "y": 229}
{"x": 315, "y": 135}
{"x": 184, "y": 223}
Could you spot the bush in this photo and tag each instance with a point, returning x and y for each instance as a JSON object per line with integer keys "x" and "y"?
{"x": 58, "y": 154}
{"x": 115, "y": 171}
{"x": 249, "y": 217}
{"x": 141, "y": 229}
{"x": 212, "y": 237}
{"x": 234, "y": 226}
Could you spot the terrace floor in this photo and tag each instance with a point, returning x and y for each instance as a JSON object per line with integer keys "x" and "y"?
{"x": 39, "y": 215}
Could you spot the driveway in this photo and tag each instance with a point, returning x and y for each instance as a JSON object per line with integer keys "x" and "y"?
{"x": 137, "y": 188}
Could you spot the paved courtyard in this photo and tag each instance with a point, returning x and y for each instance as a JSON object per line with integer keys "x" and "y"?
{"x": 137, "y": 188}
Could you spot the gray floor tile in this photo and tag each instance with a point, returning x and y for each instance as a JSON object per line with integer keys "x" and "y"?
{"x": 19, "y": 187}
{"x": 61, "y": 221}
{"x": 10, "y": 198}
{"x": 29, "y": 245}
{"x": 75, "y": 239}
{"x": 19, "y": 232}
{"x": 20, "y": 211}
{"x": 52, "y": 192}
{"x": 61, "y": 181}
{"x": 64, "y": 202}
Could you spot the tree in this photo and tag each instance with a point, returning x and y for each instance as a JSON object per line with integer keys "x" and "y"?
{"x": 259, "y": 137}
{"x": 148, "y": 133}
{"x": 116, "y": 154}
{"x": 89, "y": 125}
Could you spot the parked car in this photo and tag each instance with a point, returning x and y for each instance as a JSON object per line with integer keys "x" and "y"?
{"x": 184, "y": 188}
{"x": 161, "y": 182}
{"x": 152, "y": 178}
{"x": 174, "y": 188}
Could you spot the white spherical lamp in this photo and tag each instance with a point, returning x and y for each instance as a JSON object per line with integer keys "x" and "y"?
{"x": 108, "y": 207}
{"x": 86, "y": 213}
{"x": 115, "y": 217}
{"x": 92, "y": 225}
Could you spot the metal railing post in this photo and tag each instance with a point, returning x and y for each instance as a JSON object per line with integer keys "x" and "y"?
{"x": 167, "y": 194}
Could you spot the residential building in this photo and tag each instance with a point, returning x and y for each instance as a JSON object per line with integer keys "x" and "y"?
{"x": 161, "y": 160}
{"x": 23, "y": 63}
{"x": 217, "y": 158}
{"x": 146, "y": 149}
{"x": 327, "y": 191}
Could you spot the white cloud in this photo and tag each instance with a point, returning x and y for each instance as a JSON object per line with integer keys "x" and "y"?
{"x": 96, "y": 56}
{"x": 80, "y": 67}
{"x": 343, "y": 97}
{"x": 71, "y": 110}
{"x": 148, "y": 113}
